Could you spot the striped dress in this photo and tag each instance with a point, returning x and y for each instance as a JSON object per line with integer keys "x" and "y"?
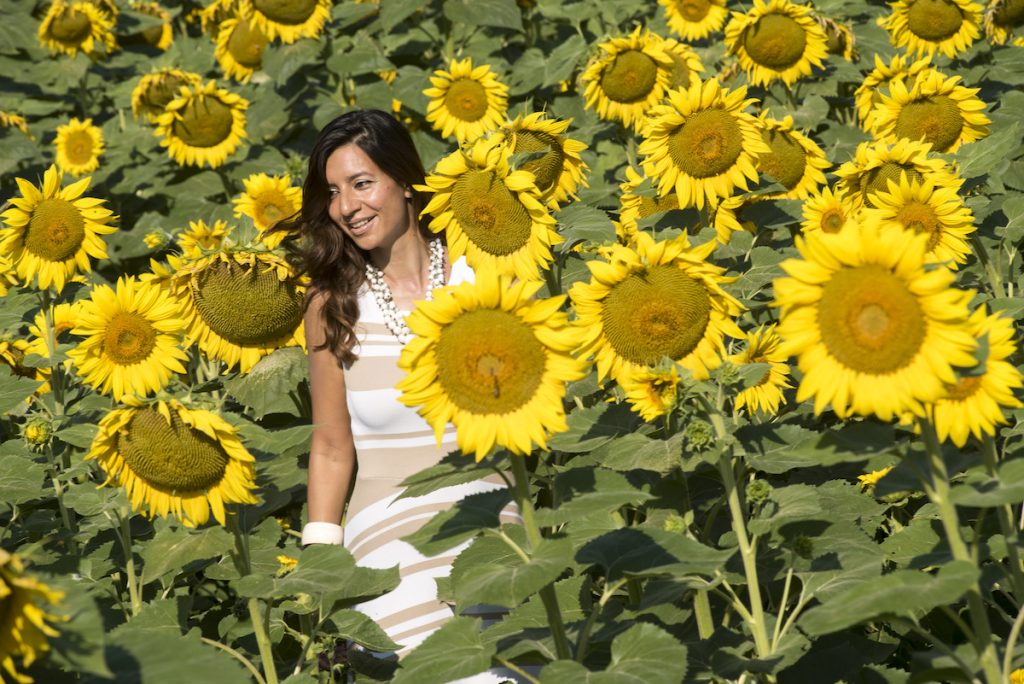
{"x": 392, "y": 442}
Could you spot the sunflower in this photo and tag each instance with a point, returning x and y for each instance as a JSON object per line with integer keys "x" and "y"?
{"x": 493, "y": 361}
{"x": 876, "y": 83}
{"x": 79, "y": 146}
{"x": 466, "y": 101}
{"x": 13, "y": 351}
{"x": 686, "y": 66}
{"x": 12, "y": 120}
{"x": 702, "y": 144}
{"x": 828, "y": 211}
{"x": 65, "y": 318}
{"x": 8, "y": 276}
{"x": 727, "y": 219}
{"x": 201, "y": 237}
{"x": 640, "y": 200}
{"x": 930, "y": 26}
{"x": 839, "y": 38}
{"x": 288, "y": 20}
{"x": 874, "y": 330}
{"x": 767, "y": 393}
{"x": 934, "y": 109}
{"x": 25, "y": 624}
{"x": 159, "y": 35}
{"x": 202, "y": 125}
{"x": 174, "y": 460}
{"x": 240, "y": 46}
{"x": 489, "y": 212}
{"x": 556, "y": 165}
{"x": 76, "y": 26}
{"x": 216, "y": 13}
{"x": 869, "y": 480}
{"x": 268, "y": 200}
{"x": 239, "y": 305}
{"x": 630, "y": 75}
{"x": 876, "y": 163}
{"x": 973, "y": 404}
{"x": 132, "y": 339}
{"x": 695, "y": 19}
{"x": 795, "y": 161}
{"x": 1003, "y": 18}
{"x": 922, "y": 207}
{"x": 655, "y": 300}
{"x": 776, "y": 40}
{"x": 51, "y": 231}
{"x": 651, "y": 392}
{"x": 156, "y": 90}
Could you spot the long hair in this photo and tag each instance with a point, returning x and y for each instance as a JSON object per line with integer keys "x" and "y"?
{"x": 318, "y": 248}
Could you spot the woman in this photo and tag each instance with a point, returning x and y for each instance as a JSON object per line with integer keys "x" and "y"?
{"x": 369, "y": 258}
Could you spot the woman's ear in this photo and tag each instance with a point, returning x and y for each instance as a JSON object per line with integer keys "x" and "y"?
{"x": 408, "y": 193}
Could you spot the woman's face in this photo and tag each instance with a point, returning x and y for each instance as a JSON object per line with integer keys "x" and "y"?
{"x": 370, "y": 206}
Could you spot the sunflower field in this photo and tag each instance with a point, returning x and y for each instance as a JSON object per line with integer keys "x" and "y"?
{"x": 744, "y": 339}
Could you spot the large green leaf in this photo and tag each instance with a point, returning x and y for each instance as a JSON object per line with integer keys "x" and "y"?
{"x": 174, "y": 548}
{"x": 651, "y": 552}
{"x": 351, "y": 624}
{"x": 454, "y": 469}
{"x": 465, "y": 519}
{"x": 454, "y": 651}
{"x": 498, "y": 13}
{"x": 643, "y": 654}
{"x": 14, "y": 390}
{"x": 271, "y": 386}
{"x": 979, "y": 489}
{"x": 591, "y": 427}
{"x": 21, "y": 478}
{"x": 582, "y": 492}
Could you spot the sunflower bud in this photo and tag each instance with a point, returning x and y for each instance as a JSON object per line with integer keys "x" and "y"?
{"x": 37, "y": 433}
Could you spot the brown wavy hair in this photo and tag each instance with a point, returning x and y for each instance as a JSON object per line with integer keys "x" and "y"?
{"x": 318, "y": 248}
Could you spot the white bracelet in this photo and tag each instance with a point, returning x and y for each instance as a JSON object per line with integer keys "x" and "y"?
{"x": 322, "y": 533}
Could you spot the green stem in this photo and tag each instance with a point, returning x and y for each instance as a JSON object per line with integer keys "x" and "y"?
{"x": 777, "y": 632}
{"x": 309, "y": 630}
{"x": 995, "y": 279}
{"x": 259, "y": 624}
{"x": 56, "y": 369}
{"x": 1005, "y": 515}
{"x": 237, "y": 656}
{"x": 125, "y": 536}
{"x": 702, "y": 609}
{"x": 937, "y": 488}
{"x": 1011, "y": 641}
{"x": 533, "y": 536}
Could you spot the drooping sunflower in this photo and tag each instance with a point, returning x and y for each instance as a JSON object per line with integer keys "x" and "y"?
{"x": 156, "y": 90}
{"x": 922, "y": 207}
{"x": 239, "y": 305}
{"x": 875, "y": 332}
{"x": 466, "y": 101}
{"x": 640, "y": 200}
{"x": 12, "y": 120}
{"x": 701, "y": 144}
{"x": 974, "y": 403}
{"x": 25, "y": 620}
{"x": 240, "y": 46}
{"x": 489, "y": 212}
{"x": 934, "y": 109}
{"x": 1003, "y": 19}
{"x": 930, "y": 26}
{"x": 828, "y": 211}
{"x": 876, "y": 163}
{"x": 201, "y": 237}
{"x": 64, "y": 318}
{"x": 776, "y": 40}
{"x": 767, "y": 393}
{"x": 51, "y": 231}
{"x": 287, "y": 20}
{"x": 133, "y": 338}
{"x": 686, "y": 65}
{"x": 174, "y": 460}
{"x": 76, "y": 26}
{"x": 215, "y": 13}
{"x": 839, "y": 38}
{"x": 557, "y": 166}
{"x": 877, "y": 81}
{"x": 651, "y": 392}
{"x": 79, "y": 146}
{"x": 655, "y": 300}
{"x": 8, "y": 276}
{"x": 160, "y": 35}
{"x": 795, "y": 161}
{"x": 204, "y": 124}
{"x": 727, "y": 217}
{"x": 629, "y": 75}
{"x": 695, "y": 19}
{"x": 493, "y": 361}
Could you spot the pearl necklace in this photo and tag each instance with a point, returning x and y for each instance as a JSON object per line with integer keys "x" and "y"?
{"x": 386, "y": 301}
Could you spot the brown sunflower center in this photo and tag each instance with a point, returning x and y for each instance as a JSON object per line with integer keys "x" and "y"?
{"x": 129, "y": 338}
{"x": 661, "y": 312}
{"x": 1009, "y": 14}
{"x": 693, "y": 10}
{"x": 832, "y": 219}
{"x": 71, "y": 27}
{"x": 870, "y": 321}
{"x": 489, "y": 362}
{"x": 246, "y": 306}
{"x": 161, "y": 91}
{"x": 291, "y": 12}
{"x": 546, "y": 168}
{"x": 205, "y": 122}
{"x": 78, "y": 147}
{"x": 787, "y": 160}
{"x": 934, "y": 19}
{"x": 490, "y": 214}
{"x": 171, "y": 457}
{"x": 466, "y": 99}
{"x": 246, "y": 44}
{"x": 630, "y": 77}
{"x": 877, "y": 179}
{"x": 965, "y": 388}
{"x": 921, "y": 218}
{"x": 776, "y": 41}
{"x": 55, "y": 230}
{"x": 708, "y": 143}
{"x": 935, "y": 118}
{"x": 270, "y": 207}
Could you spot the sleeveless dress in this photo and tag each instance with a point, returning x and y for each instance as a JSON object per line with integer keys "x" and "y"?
{"x": 392, "y": 442}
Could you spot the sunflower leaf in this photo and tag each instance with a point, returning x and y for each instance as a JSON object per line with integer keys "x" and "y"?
{"x": 452, "y": 652}
{"x": 21, "y": 478}
{"x": 643, "y": 654}
{"x": 172, "y": 549}
{"x": 497, "y": 13}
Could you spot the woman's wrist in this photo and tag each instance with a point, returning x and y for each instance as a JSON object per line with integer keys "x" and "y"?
{"x": 322, "y": 533}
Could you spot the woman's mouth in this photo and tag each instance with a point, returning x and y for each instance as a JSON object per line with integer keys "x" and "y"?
{"x": 360, "y": 227}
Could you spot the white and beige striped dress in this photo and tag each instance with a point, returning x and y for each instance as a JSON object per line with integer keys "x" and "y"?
{"x": 392, "y": 442}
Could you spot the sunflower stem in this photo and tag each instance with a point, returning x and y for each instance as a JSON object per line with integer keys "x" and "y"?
{"x": 995, "y": 279}
{"x": 533, "y": 536}
{"x": 56, "y": 371}
{"x": 702, "y": 610}
{"x": 1005, "y": 515}
{"x": 937, "y": 488}
{"x": 259, "y": 625}
{"x": 125, "y": 536}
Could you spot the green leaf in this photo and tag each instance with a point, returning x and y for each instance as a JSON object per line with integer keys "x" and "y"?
{"x": 21, "y": 478}
{"x": 585, "y": 491}
{"x": 498, "y": 13}
{"x": 452, "y": 652}
{"x": 464, "y": 520}
{"x": 14, "y": 390}
{"x": 898, "y": 593}
{"x": 15, "y": 307}
{"x": 643, "y": 654}
{"x": 639, "y": 452}
{"x": 271, "y": 386}
{"x": 778, "y": 448}
{"x": 174, "y": 548}
{"x": 351, "y": 624}
{"x": 979, "y": 489}
{"x": 987, "y": 154}
{"x": 394, "y": 12}
{"x": 79, "y": 434}
{"x": 578, "y": 223}
{"x": 564, "y": 59}
{"x": 591, "y": 427}
{"x": 454, "y": 469}
{"x": 651, "y": 552}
